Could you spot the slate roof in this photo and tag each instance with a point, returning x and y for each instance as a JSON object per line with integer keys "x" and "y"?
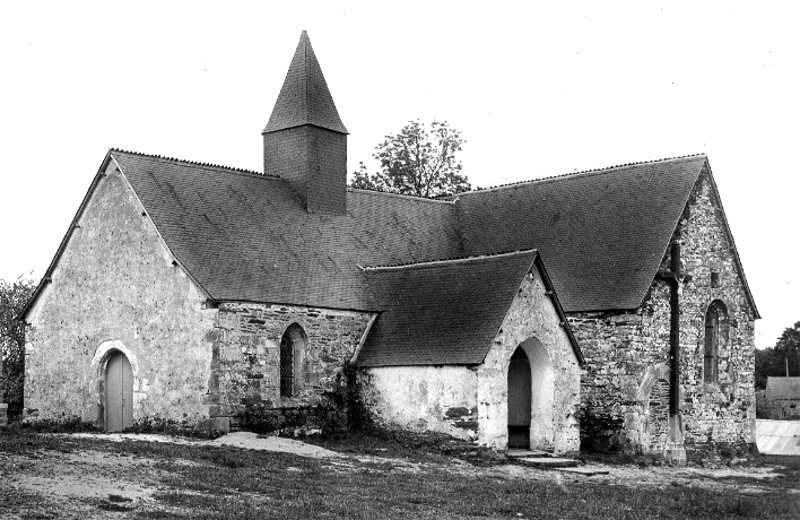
{"x": 445, "y": 312}
{"x": 304, "y": 97}
{"x": 603, "y": 233}
{"x": 783, "y": 388}
{"x": 246, "y": 237}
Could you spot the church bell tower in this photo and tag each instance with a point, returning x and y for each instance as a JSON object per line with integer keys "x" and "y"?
{"x": 305, "y": 141}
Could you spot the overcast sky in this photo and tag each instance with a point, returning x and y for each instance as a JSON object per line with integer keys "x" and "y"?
{"x": 537, "y": 90}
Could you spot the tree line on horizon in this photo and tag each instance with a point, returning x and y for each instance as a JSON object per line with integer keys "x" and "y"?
{"x": 781, "y": 360}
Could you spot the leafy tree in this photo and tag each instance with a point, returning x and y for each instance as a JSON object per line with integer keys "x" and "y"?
{"x": 419, "y": 161}
{"x": 772, "y": 361}
{"x": 13, "y": 297}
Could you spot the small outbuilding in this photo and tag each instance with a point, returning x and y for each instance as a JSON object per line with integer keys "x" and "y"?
{"x": 782, "y": 397}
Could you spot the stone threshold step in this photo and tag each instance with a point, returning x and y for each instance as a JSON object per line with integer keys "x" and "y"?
{"x": 587, "y": 471}
{"x": 519, "y": 453}
{"x": 546, "y": 462}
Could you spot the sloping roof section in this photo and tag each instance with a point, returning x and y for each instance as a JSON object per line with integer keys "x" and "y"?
{"x": 783, "y": 388}
{"x": 304, "y": 97}
{"x": 603, "y": 232}
{"x": 245, "y": 236}
{"x": 444, "y": 312}
{"x": 441, "y": 312}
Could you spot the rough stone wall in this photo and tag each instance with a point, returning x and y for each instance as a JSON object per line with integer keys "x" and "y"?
{"x": 722, "y": 412}
{"x": 245, "y": 364}
{"x": 116, "y": 288}
{"x": 627, "y": 353}
{"x": 531, "y": 315}
{"x": 441, "y": 399}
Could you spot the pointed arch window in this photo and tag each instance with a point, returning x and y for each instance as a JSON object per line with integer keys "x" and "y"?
{"x": 716, "y": 338}
{"x": 293, "y": 345}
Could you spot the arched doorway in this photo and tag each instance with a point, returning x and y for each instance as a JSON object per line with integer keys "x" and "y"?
{"x": 531, "y": 397}
{"x": 519, "y": 400}
{"x": 119, "y": 393}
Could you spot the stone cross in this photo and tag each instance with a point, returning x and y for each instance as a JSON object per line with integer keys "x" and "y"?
{"x": 675, "y": 276}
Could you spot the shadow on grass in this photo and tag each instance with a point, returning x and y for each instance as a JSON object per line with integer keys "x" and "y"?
{"x": 226, "y": 483}
{"x": 323, "y": 493}
{"x": 415, "y": 447}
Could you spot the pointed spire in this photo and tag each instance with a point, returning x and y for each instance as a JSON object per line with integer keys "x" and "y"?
{"x": 304, "y": 98}
{"x": 305, "y": 142}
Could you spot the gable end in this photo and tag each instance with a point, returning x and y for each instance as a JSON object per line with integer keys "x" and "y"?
{"x": 109, "y": 166}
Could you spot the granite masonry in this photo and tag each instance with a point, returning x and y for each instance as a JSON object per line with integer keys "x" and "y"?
{"x": 625, "y": 388}
{"x": 246, "y": 361}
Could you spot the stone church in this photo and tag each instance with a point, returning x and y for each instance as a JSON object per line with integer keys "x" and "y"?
{"x": 605, "y": 308}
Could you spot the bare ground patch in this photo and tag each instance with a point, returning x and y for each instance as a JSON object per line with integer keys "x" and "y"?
{"x": 247, "y": 476}
{"x": 85, "y": 484}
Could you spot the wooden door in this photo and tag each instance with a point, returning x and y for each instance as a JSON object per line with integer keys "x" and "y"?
{"x": 119, "y": 393}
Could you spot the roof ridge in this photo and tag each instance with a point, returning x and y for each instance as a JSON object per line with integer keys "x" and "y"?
{"x": 231, "y": 169}
{"x": 399, "y": 195}
{"x": 593, "y": 171}
{"x": 459, "y": 259}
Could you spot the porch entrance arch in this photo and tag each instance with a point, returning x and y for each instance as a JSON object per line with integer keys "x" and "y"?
{"x": 519, "y": 400}
{"x": 531, "y": 395}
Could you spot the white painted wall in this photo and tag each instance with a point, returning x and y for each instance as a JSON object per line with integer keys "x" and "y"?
{"x": 422, "y": 398}
{"x": 427, "y": 398}
{"x": 532, "y": 322}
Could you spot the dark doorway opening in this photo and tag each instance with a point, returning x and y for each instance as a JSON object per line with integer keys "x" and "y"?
{"x": 519, "y": 400}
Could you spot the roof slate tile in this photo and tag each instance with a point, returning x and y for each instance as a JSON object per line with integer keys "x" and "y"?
{"x": 444, "y": 312}
{"x": 602, "y": 232}
{"x": 783, "y": 387}
{"x": 304, "y": 97}
{"x": 246, "y": 237}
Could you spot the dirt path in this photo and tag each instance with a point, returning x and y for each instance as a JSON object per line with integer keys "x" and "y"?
{"x": 244, "y": 440}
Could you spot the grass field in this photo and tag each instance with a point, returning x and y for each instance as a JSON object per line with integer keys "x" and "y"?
{"x": 50, "y": 476}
